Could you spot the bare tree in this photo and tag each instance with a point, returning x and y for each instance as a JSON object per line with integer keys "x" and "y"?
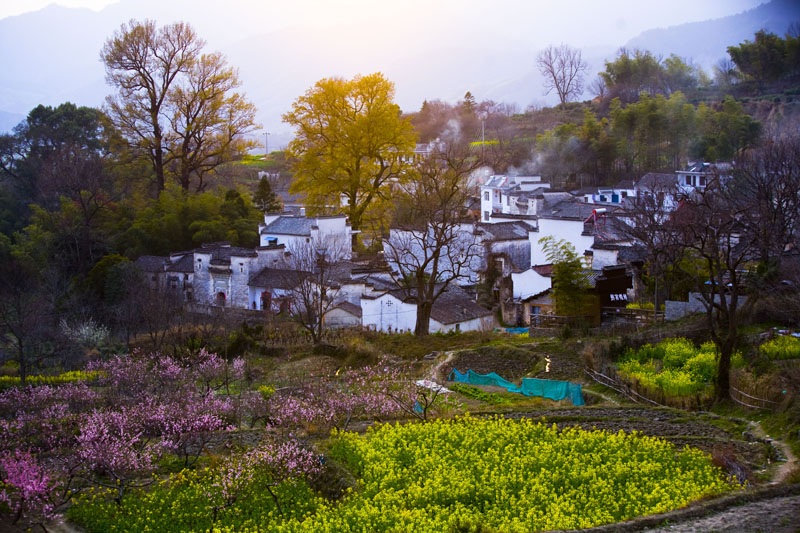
{"x": 563, "y": 69}
{"x": 25, "y": 316}
{"x": 143, "y": 63}
{"x": 429, "y": 247}
{"x": 711, "y": 228}
{"x": 598, "y": 87}
{"x": 314, "y": 287}
{"x": 765, "y": 187}
{"x": 174, "y": 104}
{"x": 648, "y": 222}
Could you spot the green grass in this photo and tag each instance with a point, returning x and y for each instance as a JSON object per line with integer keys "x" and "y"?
{"x": 477, "y": 394}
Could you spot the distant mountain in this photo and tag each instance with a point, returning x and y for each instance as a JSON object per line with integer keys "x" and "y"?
{"x": 52, "y": 55}
{"x": 707, "y": 42}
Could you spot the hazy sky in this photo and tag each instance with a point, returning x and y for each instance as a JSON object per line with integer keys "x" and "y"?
{"x": 577, "y": 22}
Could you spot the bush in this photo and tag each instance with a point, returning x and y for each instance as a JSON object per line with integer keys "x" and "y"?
{"x": 782, "y": 347}
{"x": 673, "y": 368}
{"x": 677, "y": 352}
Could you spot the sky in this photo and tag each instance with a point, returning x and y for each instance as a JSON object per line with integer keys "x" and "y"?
{"x": 577, "y": 22}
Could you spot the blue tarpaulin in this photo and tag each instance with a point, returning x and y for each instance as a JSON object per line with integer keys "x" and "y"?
{"x": 546, "y": 388}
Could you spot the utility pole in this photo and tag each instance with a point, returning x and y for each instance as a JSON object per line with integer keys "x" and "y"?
{"x": 266, "y": 145}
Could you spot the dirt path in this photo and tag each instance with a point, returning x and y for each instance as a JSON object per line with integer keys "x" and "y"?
{"x": 777, "y": 515}
{"x": 784, "y": 468}
{"x": 433, "y": 373}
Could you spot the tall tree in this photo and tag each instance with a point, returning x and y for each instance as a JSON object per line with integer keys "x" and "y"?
{"x": 710, "y": 227}
{"x": 765, "y": 183}
{"x": 174, "y": 104}
{"x": 142, "y": 62}
{"x": 44, "y": 144}
{"x": 563, "y": 69}
{"x": 762, "y": 59}
{"x": 265, "y": 198}
{"x": 208, "y": 120}
{"x": 351, "y": 144}
{"x": 429, "y": 247}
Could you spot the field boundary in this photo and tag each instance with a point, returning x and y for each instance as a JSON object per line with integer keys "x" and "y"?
{"x": 700, "y": 509}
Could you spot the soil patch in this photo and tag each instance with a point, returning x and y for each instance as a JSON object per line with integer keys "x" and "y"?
{"x": 510, "y": 362}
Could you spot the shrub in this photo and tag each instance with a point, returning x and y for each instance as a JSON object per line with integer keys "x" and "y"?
{"x": 782, "y": 347}
{"x": 677, "y": 352}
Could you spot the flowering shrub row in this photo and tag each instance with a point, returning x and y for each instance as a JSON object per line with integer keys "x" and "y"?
{"x": 65, "y": 377}
{"x": 674, "y": 366}
{"x": 781, "y": 347}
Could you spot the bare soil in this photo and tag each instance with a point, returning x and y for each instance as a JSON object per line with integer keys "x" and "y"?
{"x": 777, "y": 515}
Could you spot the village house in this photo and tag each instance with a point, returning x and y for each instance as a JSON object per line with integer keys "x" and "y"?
{"x": 503, "y": 194}
{"x": 395, "y": 311}
{"x": 295, "y": 231}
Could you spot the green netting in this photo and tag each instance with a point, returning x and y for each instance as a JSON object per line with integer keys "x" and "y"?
{"x": 546, "y": 388}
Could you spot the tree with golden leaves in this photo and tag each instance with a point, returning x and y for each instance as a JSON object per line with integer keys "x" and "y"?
{"x": 351, "y": 148}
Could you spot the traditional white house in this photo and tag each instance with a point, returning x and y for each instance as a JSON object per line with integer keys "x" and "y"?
{"x": 608, "y": 195}
{"x": 222, "y": 272}
{"x": 394, "y": 311}
{"x": 566, "y": 221}
{"x": 501, "y": 194}
{"x": 293, "y": 231}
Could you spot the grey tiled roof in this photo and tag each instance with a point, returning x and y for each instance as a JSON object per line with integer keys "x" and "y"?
{"x": 503, "y": 231}
{"x": 657, "y": 180}
{"x": 184, "y": 264}
{"x": 452, "y": 306}
{"x": 568, "y": 210}
{"x": 289, "y": 226}
{"x": 349, "y": 307}
{"x": 276, "y": 278}
{"x": 151, "y": 263}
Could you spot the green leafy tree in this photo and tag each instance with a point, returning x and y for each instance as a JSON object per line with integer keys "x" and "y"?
{"x": 570, "y": 285}
{"x": 351, "y": 146}
{"x": 181, "y": 221}
{"x": 724, "y": 133}
{"x": 265, "y": 199}
{"x": 631, "y": 73}
{"x": 763, "y": 59}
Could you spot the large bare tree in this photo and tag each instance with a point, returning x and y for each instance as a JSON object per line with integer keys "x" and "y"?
{"x": 430, "y": 247}
{"x": 174, "y": 104}
{"x": 563, "y": 69}
{"x": 710, "y": 227}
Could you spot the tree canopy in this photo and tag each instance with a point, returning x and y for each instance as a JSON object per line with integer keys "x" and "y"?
{"x": 351, "y": 146}
{"x": 175, "y": 105}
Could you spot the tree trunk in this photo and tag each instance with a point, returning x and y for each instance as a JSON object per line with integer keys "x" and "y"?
{"x": 723, "y": 380}
{"x": 422, "y": 326}
{"x": 23, "y": 367}
{"x": 158, "y": 155}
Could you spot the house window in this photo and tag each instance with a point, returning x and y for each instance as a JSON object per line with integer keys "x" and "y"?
{"x": 702, "y": 181}
{"x": 486, "y": 195}
{"x": 458, "y": 327}
{"x": 241, "y": 267}
{"x": 486, "y": 215}
{"x": 688, "y": 180}
{"x": 536, "y": 310}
